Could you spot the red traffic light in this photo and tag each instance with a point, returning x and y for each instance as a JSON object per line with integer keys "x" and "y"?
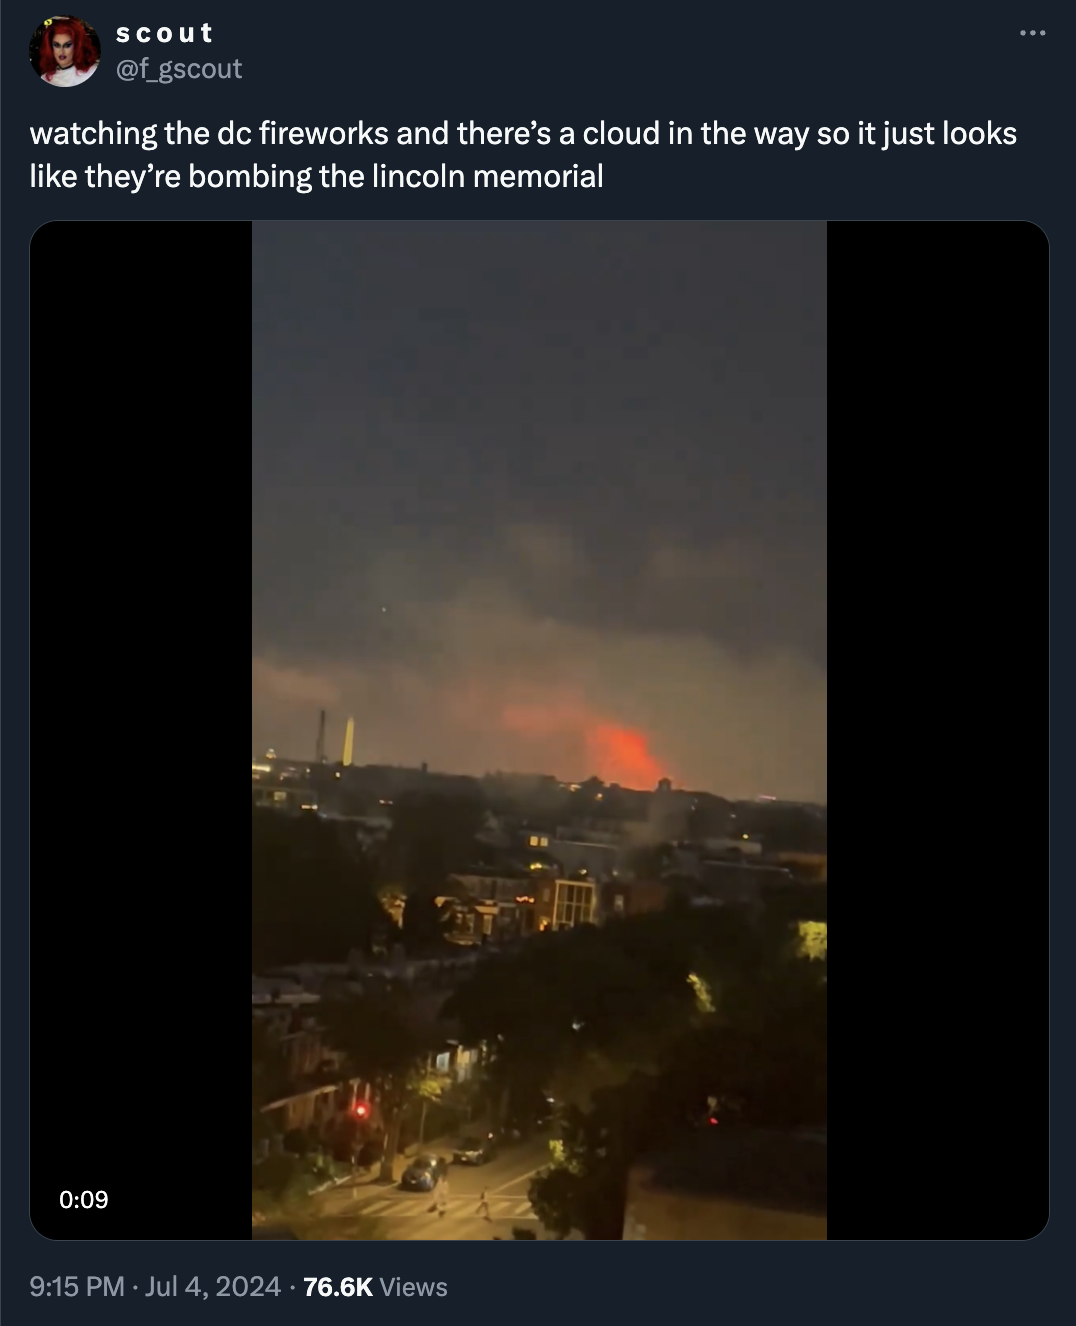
{"x": 362, "y": 1109}
{"x": 713, "y": 1119}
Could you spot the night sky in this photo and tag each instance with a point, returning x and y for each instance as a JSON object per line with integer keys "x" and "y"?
{"x": 544, "y": 498}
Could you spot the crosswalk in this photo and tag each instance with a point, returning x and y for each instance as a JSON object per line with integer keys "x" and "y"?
{"x": 500, "y": 1208}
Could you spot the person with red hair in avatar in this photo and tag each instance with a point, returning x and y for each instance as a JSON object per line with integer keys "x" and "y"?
{"x": 68, "y": 56}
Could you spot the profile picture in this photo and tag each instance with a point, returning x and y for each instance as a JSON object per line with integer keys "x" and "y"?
{"x": 65, "y": 51}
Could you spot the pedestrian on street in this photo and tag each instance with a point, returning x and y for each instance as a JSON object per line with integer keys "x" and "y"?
{"x": 442, "y": 1199}
{"x": 483, "y": 1206}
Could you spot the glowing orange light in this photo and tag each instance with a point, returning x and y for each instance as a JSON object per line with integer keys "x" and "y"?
{"x": 614, "y": 753}
{"x": 622, "y": 756}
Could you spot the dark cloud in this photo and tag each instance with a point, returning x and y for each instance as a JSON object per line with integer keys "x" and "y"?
{"x": 518, "y": 490}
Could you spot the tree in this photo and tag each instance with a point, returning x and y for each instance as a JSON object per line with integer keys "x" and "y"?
{"x": 426, "y": 923}
{"x": 720, "y": 1010}
{"x": 432, "y": 835}
{"x": 585, "y": 1187}
{"x": 577, "y": 1014}
{"x": 509, "y": 1006}
{"x": 383, "y": 1049}
{"x": 774, "y": 1054}
{"x": 632, "y": 1027}
{"x": 764, "y": 1055}
{"x": 312, "y": 892}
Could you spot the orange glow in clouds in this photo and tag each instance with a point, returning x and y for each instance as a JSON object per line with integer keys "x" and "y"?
{"x": 614, "y": 754}
{"x": 620, "y": 755}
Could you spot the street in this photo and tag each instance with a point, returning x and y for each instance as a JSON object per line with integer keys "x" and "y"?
{"x": 407, "y": 1215}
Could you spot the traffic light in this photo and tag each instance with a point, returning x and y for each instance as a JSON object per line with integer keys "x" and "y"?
{"x": 362, "y": 1110}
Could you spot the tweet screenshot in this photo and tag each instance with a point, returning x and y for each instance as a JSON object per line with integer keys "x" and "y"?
{"x": 541, "y": 326}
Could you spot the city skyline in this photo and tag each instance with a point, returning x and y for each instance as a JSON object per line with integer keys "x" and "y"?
{"x": 263, "y": 761}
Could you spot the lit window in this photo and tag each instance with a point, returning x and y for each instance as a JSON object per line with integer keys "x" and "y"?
{"x": 533, "y": 841}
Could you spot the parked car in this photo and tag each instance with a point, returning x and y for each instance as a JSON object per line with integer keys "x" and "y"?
{"x": 475, "y": 1150}
{"x": 424, "y": 1173}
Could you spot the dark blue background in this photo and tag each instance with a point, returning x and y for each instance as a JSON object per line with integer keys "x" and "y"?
{"x": 772, "y": 65}
{"x": 964, "y": 62}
